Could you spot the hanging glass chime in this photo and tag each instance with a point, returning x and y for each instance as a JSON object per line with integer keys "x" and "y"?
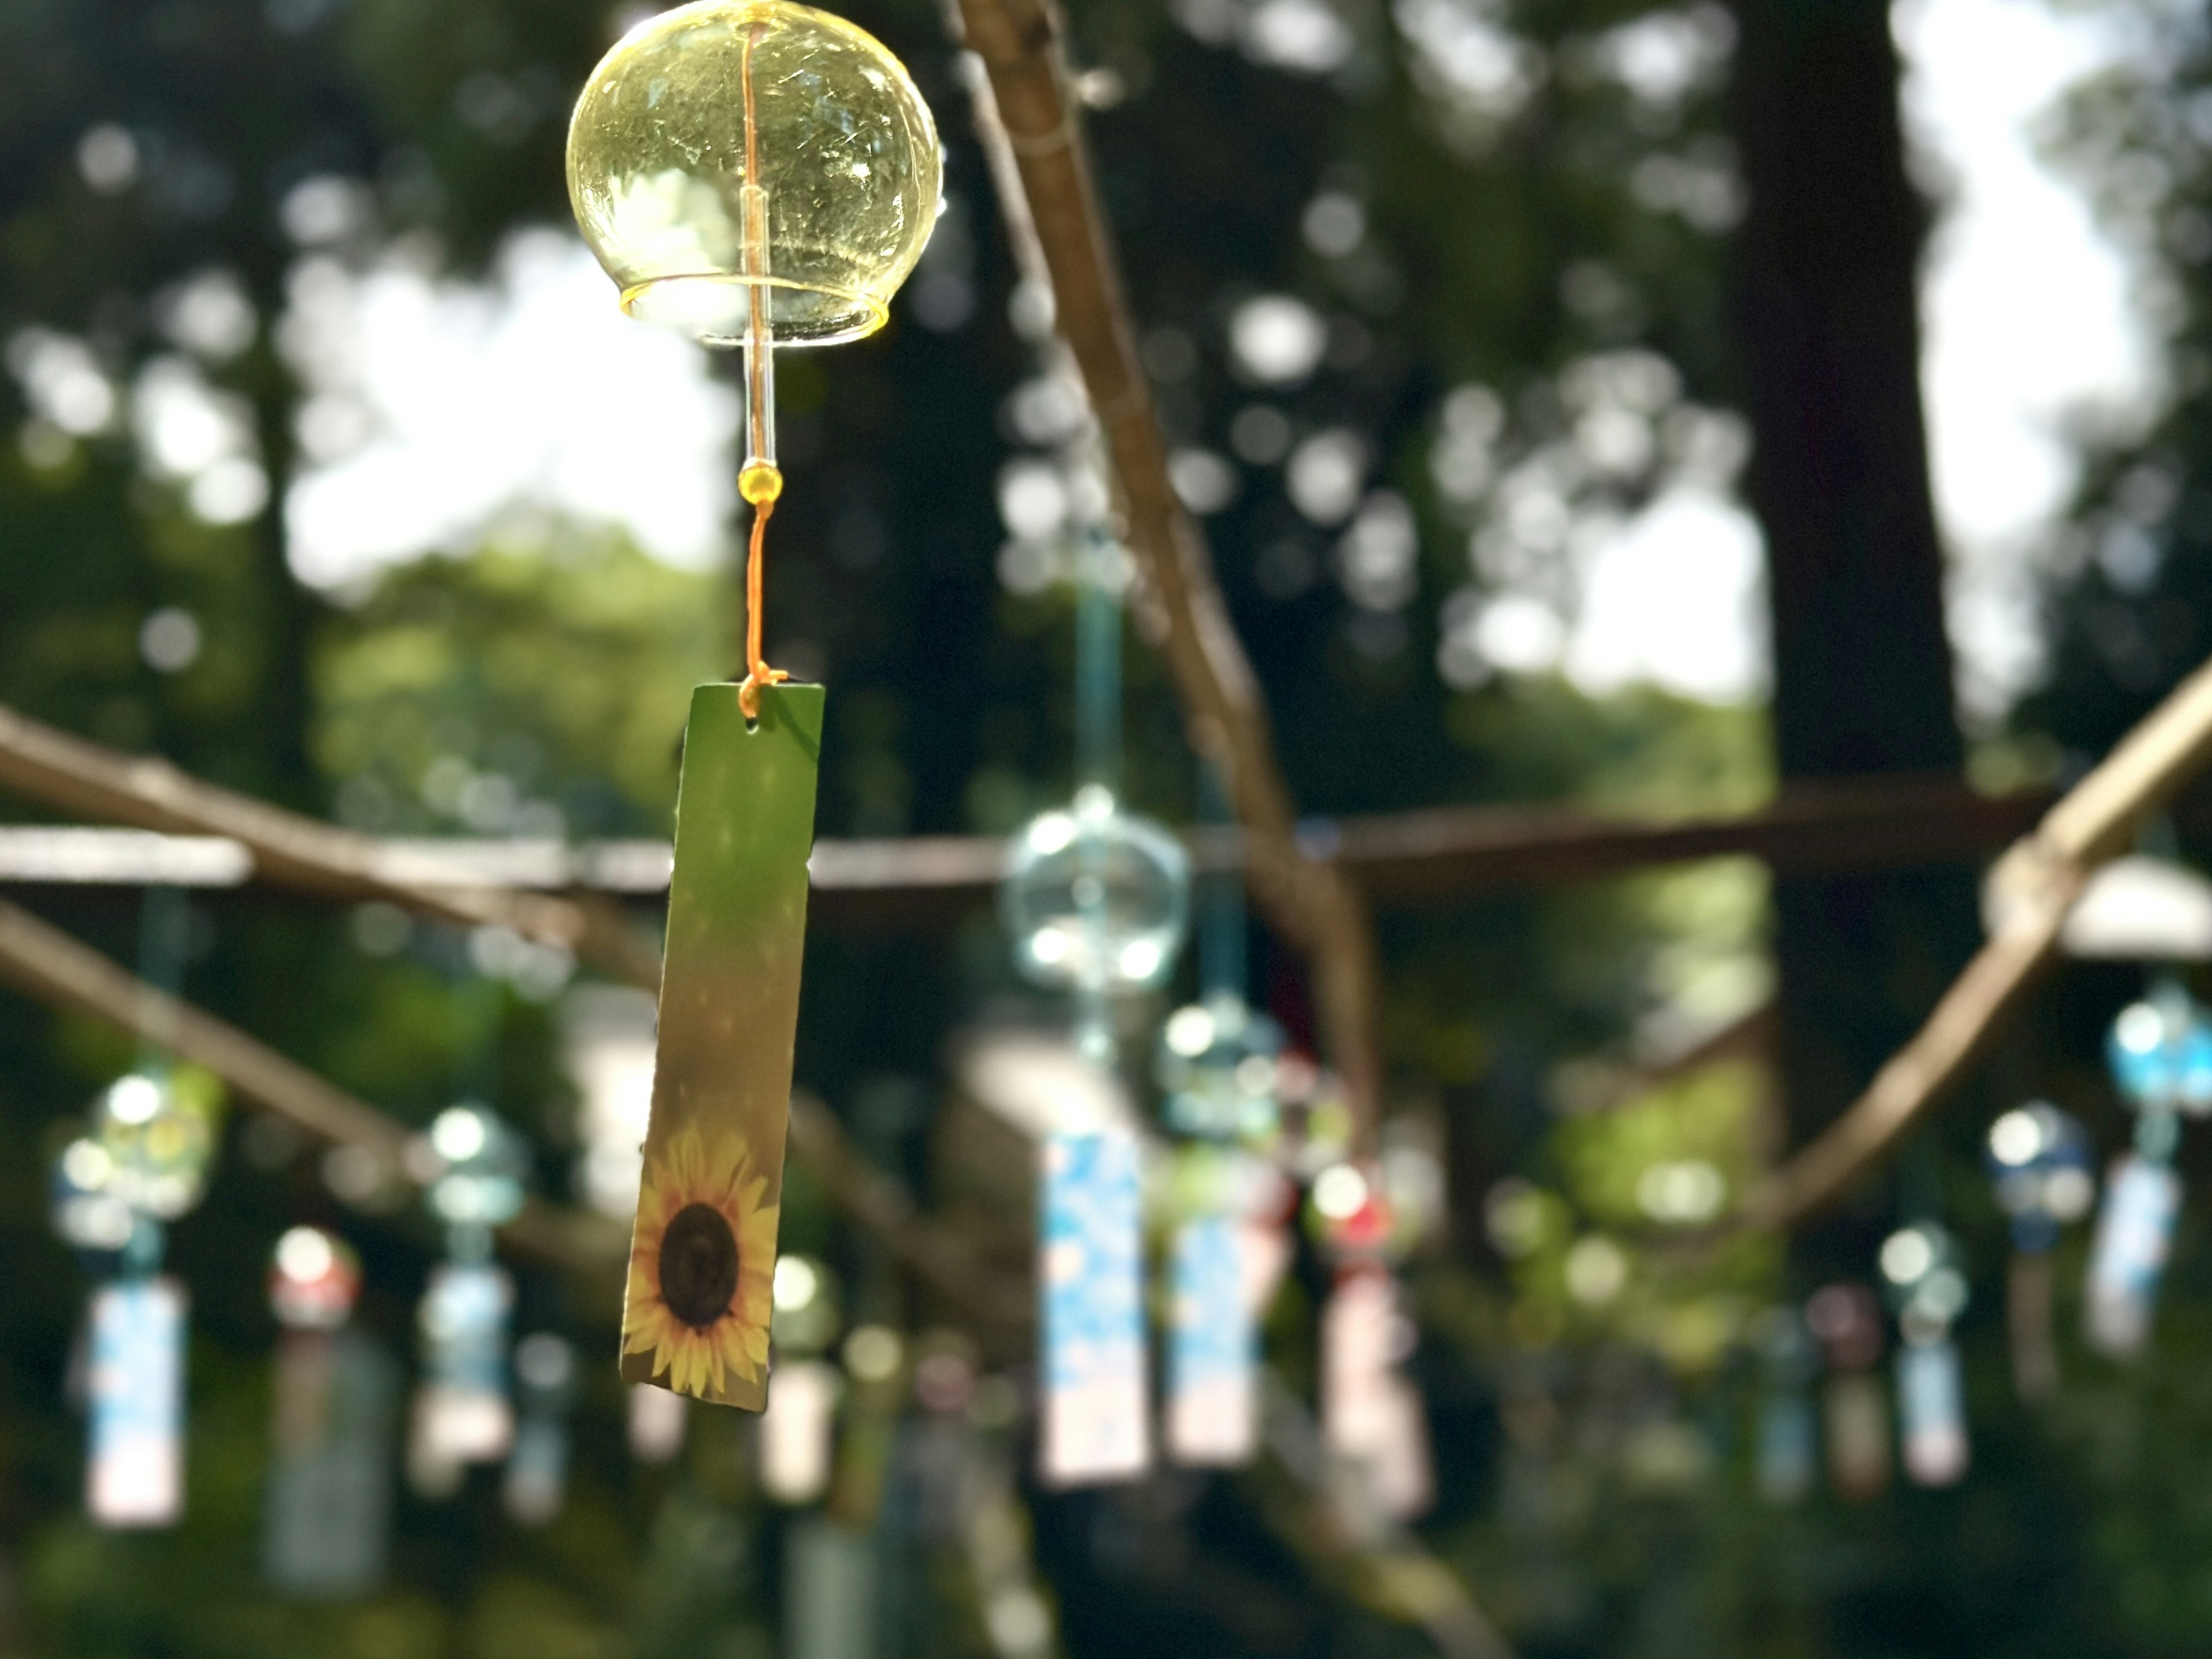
{"x": 1216, "y": 1070}
{"x": 1920, "y": 1267}
{"x": 753, "y": 174}
{"x": 1095, "y": 901}
{"x": 796, "y": 1431}
{"x": 1372, "y": 1418}
{"x": 1788, "y": 1438}
{"x": 116, "y": 1191}
{"x": 462, "y": 1413}
{"x": 1845, "y": 1320}
{"x": 326, "y": 1517}
{"x": 537, "y": 1482}
{"x": 2160, "y": 1051}
{"x": 2039, "y": 1160}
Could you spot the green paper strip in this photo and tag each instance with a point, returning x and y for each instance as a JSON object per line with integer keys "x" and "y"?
{"x": 702, "y": 1254}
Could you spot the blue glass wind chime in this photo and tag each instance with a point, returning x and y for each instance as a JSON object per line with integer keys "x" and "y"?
{"x": 1216, "y": 1069}
{"x": 2041, "y": 1164}
{"x": 1097, "y": 901}
{"x": 115, "y": 1190}
{"x": 2160, "y": 1051}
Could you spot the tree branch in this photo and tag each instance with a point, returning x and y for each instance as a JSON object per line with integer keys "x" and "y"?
{"x": 1312, "y": 904}
{"x": 150, "y": 793}
{"x": 48, "y": 965}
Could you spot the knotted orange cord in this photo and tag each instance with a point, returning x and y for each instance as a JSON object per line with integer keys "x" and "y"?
{"x": 760, "y": 483}
{"x": 757, "y": 672}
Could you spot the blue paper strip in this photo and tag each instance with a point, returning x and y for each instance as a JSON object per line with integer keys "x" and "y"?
{"x": 1933, "y": 1411}
{"x": 136, "y": 1476}
{"x": 1095, "y": 1427}
{"x": 1210, "y": 1381}
{"x": 2135, "y": 1228}
{"x": 462, "y": 1414}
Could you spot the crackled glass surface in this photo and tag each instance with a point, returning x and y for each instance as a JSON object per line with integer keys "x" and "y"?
{"x": 848, "y": 161}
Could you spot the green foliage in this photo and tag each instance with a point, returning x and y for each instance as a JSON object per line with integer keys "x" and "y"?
{"x": 1594, "y": 1449}
{"x": 464, "y": 691}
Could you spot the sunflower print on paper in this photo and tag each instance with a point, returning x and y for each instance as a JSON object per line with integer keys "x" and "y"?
{"x": 701, "y": 1265}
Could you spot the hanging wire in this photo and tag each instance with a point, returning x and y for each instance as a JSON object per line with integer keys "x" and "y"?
{"x": 760, "y": 481}
{"x": 1098, "y": 769}
{"x": 1223, "y": 969}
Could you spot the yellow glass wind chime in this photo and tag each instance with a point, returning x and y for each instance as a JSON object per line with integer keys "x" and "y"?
{"x": 754, "y": 173}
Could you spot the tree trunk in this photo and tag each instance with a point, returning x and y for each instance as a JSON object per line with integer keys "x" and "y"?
{"x": 1826, "y": 273}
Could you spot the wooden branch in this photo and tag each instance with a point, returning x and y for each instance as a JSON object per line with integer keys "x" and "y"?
{"x": 2034, "y": 885}
{"x": 52, "y": 968}
{"x": 150, "y": 793}
{"x": 1405, "y": 860}
{"x": 1415, "y": 858}
{"x": 1312, "y": 905}
{"x": 1827, "y": 829}
{"x": 1409, "y": 860}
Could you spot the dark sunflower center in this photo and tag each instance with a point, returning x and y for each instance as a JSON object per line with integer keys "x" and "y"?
{"x": 698, "y": 1266}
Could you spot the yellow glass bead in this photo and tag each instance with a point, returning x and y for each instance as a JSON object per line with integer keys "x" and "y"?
{"x": 760, "y": 482}
{"x": 847, "y": 158}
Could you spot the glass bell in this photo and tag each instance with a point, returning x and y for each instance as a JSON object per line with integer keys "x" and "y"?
{"x": 1921, "y": 1269}
{"x": 841, "y": 162}
{"x": 1217, "y": 1065}
{"x": 158, "y": 1139}
{"x": 91, "y": 1218}
{"x": 1096, "y": 900}
{"x": 2161, "y": 1055}
{"x": 481, "y": 1163}
{"x": 2041, "y": 1160}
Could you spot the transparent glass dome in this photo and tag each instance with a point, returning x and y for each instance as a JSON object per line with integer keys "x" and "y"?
{"x": 1096, "y": 899}
{"x": 2043, "y": 1166}
{"x": 847, "y": 157}
{"x": 158, "y": 1145}
{"x": 2161, "y": 1055}
{"x": 482, "y": 1165}
{"x": 1216, "y": 1064}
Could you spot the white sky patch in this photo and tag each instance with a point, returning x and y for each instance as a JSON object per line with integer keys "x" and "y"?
{"x": 436, "y": 407}
{"x": 2026, "y": 311}
{"x": 1675, "y": 598}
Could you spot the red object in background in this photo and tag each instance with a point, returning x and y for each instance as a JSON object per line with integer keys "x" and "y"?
{"x": 1845, "y": 1320}
{"x": 312, "y": 1280}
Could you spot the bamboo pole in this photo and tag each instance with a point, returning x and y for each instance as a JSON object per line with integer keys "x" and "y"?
{"x": 52, "y": 968}
{"x": 1313, "y": 904}
{"x": 150, "y": 793}
{"x": 1403, "y": 858}
{"x": 2034, "y": 885}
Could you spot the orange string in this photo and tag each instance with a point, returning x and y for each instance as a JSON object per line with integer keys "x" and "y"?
{"x": 760, "y": 484}
{"x": 757, "y": 672}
